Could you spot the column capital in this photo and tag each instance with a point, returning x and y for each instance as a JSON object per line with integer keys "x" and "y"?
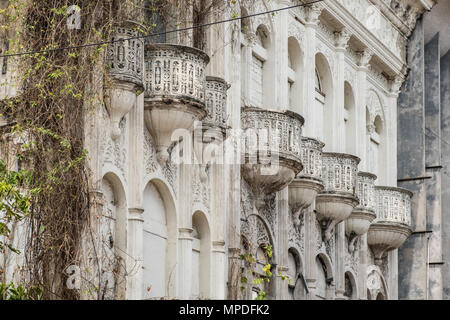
{"x": 312, "y": 13}
{"x": 341, "y": 39}
{"x": 185, "y": 233}
{"x": 136, "y": 214}
{"x": 364, "y": 58}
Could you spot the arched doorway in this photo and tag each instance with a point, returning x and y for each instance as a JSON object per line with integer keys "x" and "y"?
{"x": 201, "y": 257}
{"x": 112, "y": 225}
{"x": 159, "y": 242}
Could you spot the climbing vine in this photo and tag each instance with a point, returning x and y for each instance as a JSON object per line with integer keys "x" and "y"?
{"x": 48, "y": 96}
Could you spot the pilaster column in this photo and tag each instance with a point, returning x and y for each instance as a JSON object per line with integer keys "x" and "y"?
{"x": 340, "y": 258}
{"x": 232, "y": 156}
{"x": 219, "y": 220}
{"x": 391, "y": 121}
{"x": 135, "y": 253}
{"x": 362, "y": 279}
{"x": 282, "y": 244}
{"x": 184, "y": 232}
{"x": 361, "y": 102}
{"x": 135, "y": 203}
{"x": 185, "y": 262}
{"x": 341, "y": 39}
{"x": 312, "y": 14}
{"x": 310, "y": 252}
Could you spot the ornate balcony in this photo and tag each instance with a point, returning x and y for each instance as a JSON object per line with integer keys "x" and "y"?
{"x": 175, "y": 84}
{"x": 124, "y": 63}
{"x": 362, "y": 216}
{"x": 308, "y": 183}
{"x": 392, "y": 226}
{"x": 336, "y": 202}
{"x": 272, "y": 155}
{"x": 210, "y": 132}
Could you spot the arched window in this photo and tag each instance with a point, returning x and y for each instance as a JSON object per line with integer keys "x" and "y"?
{"x": 323, "y": 114}
{"x": 157, "y": 21}
{"x": 260, "y": 71}
{"x": 245, "y": 24}
{"x": 350, "y": 286}
{"x": 296, "y": 285}
{"x": 376, "y": 139}
{"x": 321, "y": 272}
{"x": 295, "y": 88}
{"x": 349, "y": 119}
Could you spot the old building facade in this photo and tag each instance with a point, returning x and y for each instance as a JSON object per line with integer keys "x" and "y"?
{"x": 282, "y": 132}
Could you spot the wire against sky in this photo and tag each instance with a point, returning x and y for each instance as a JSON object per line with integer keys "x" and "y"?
{"x": 160, "y": 33}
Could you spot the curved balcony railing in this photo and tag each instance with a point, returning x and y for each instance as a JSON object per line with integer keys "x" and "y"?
{"x": 308, "y": 183}
{"x": 272, "y": 150}
{"x": 273, "y": 132}
{"x": 393, "y": 205}
{"x": 175, "y": 72}
{"x": 391, "y": 227}
{"x": 311, "y": 159}
{"x": 365, "y": 192}
{"x": 363, "y": 214}
{"x": 339, "y": 172}
{"x": 124, "y": 56}
{"x": 216, "y": 102}
{"x": 175, "y": 84}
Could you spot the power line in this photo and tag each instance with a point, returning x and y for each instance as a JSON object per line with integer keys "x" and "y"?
{"x": 160, "y": 33}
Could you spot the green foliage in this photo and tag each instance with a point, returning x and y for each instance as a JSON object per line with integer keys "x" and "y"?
{"x": 250, "y": 263}
{"x": 20, "y": 292}
{"x": 14, "y": 201}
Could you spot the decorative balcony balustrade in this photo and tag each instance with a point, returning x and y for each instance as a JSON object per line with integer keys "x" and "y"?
{"x": 272, "y": 151}
{"x": 175, "y": 84}
{"x": 124, "y": 56}
{"x": 393, "y": 205}
{"x": 336, "y": 202}
{"x": 125, "y": 71}
{"x": 210, "y": 133}
{"x": 303, "y": 190}
{"x": 175, "y": 72}
{"x": 216, "y": 102}
{"x": 392, "y": 226}
{"x": 362, "y": 216}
